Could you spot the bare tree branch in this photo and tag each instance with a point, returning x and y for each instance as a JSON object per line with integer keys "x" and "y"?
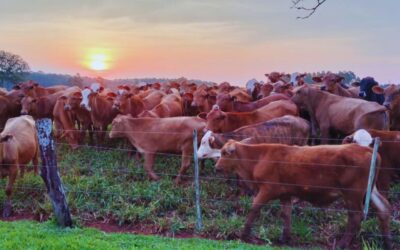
{"x": 311, "y": 10}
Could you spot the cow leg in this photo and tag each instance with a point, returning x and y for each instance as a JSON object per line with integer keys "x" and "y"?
{"x": 261, "y": 198}
{"x": 354, "y": 206}
{"x": 11, "y": 179}
{"x": 325, "y": 135}
{"x": 91, "y": 131}
{"x": 148, "y": 166}
{"x": 384, "y": 211}
{"x": 286, "y": 215}
{"x": 185, "y": 163}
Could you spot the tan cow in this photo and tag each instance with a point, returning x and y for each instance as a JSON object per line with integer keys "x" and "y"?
{"x": 18, "y": 147}
{"x": 159, "y": 135}
{"x": 220, "y": 122}
{"x": 170, "y": 106}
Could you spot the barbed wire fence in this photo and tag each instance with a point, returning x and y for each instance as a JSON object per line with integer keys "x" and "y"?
{"x": 197, "y": 200}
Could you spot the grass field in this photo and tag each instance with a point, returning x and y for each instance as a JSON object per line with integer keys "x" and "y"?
{"x": 33, "y": 235}
{"x": 107, "y": 186}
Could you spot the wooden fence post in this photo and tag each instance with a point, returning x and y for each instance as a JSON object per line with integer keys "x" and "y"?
{"x": 371, "y": 176}
{"x": 199, "y": 223}
{"x": 49, "y": 173}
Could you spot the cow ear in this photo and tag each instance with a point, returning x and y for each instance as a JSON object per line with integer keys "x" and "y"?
{"x": 5, "y": 138}
{"x": 230, "y": 148}
{"x": 202, "y": 115}
{"x": 378, "y": 90}
{"x": 111, "y": 95}
{"x": 101, "y": 89}
{"x": 317, "y": 79}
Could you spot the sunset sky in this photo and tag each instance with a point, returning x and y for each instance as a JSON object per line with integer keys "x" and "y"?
{"x": 216, "y": 40}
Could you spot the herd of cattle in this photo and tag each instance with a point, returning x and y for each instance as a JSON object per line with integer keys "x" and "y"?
{"x": 261, "y": 133}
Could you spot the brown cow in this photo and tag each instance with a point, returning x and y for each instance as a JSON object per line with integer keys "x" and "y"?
{"x": 64, "y": 122}
{"x": 332, "y": 83}
{"x": 72, "y": 104}
{"x": 203, "y": 99}
{"x": 33, "y": 89}
{"x": 388, "y": 150}
{"x": 392, "y": 103}
{"x": 127, "y": 103}
{"x": 18, "y": 147}
{"x": 230, "y": 104}
{"x": 10, "y": 106}
{"x": 220, "y": 122}
{"x": 276, "y": 76}
{"x": 101, "y": 110}
{"x": 319, "y": 175}
{"x": 170, "y": 106}
{"x": 339, "y": 114}
{"x": 288, "y": 129}
{"x": 145, "y": 133}
{"x": 40, "y": 107}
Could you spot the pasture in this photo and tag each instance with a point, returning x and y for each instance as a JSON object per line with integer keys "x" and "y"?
{"x": 107, "y": 189}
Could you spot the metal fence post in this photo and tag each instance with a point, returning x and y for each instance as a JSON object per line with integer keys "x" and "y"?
{"x": 199, "y": 223}
{"x": 371, "y": 176}
{"x": 49, "y": 173}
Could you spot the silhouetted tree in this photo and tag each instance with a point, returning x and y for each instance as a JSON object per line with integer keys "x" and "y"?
{"x": 12, "y": 68}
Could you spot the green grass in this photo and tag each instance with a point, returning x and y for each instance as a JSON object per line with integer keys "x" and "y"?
{"x": 107, "y": 186}
{"x": 32, "y": 235}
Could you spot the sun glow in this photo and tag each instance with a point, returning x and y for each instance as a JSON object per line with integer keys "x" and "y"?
{"x": 98, "y": 59}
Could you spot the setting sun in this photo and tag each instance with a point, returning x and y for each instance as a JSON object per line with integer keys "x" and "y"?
{"x": 98, "y": 59}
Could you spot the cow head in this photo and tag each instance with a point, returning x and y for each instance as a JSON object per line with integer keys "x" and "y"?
{"x": 282, "y": 87}
{"x": 300, "y": 96}
{"x": 330, "y": 82}
{"x": 206, "y": 149}
{"x": 276, "y": 76}
{"x": 216, "y": 119}
{"x": 73, "y": 101}
{"x": 201, "y": 100}
{"x": 391, "y": 94}
{"x": 225, "y": 101}
{"x": 121, "y": 100}
{"x": 265, "y": 90}
{"x": 29, "y": 105}
{"x": 86, "y": 92}
{"x": 228, "y": 160}
{"x": 361, "y": 137}
{"x": 366, "y": 85}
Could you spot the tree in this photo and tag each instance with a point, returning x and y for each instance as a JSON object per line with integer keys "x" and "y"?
{"x": 12, "y": 68}
{"x": 76, "y": 80}
{"x": 297, "y": 4}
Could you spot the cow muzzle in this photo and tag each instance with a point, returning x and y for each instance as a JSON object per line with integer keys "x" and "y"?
{"x": 67, "y": 107}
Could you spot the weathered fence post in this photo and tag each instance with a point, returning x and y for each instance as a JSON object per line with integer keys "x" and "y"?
{"x": 371, "y": 176}
{"x": 199, "y": 223}
{"x": 49, "y": 173}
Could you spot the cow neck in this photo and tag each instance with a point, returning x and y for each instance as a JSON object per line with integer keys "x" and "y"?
{"x": 246, "y": 163}
{"x": 1, "y": 154}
